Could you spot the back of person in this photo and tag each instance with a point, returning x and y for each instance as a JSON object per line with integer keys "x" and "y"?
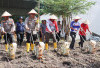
{"x": 83, "y": 29}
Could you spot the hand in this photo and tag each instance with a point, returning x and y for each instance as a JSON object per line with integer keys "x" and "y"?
{"x": 27, "y": 28}
{"x": 91, "y": 33}
{"x": 57, "y": 31}
{"x": 75, "y": 29}
{"x": 4, "y": 32}
{"x": 37, "y": 29}
{"x": 51, "y": 32}
{"x": 12, "y": 32}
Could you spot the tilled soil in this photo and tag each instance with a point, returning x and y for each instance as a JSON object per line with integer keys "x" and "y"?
{"x": 76, "y": 59}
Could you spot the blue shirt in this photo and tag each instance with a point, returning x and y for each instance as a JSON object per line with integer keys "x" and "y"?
{"x": 20, "y": 27}
{"x": 43, "y": 26}
{"x": 75, "y": 25}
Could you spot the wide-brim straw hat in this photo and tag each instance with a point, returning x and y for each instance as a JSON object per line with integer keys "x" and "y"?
{"x": 5, "y": 14}
{"x": 52, "y": 17}
{"x": 77, "y": 17}
{"x": 32, "y": 12}
{"x": 86, "y": 22}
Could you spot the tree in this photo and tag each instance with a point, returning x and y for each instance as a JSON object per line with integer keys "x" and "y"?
{"x": 66, "y": 8}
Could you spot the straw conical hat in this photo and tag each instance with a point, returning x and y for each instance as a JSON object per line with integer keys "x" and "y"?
{"x": 32, "y": 11}
{"x": 52, "y": 17}
{"x": 6, "y": 14}
{"x": 77, "y": 17}
{"x": 86, "y": 22}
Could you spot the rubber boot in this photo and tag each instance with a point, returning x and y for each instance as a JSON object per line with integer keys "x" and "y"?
{"x": 40, "y": 39}
{"x": 46, "y": 46}
{"x": 55, "y": 45}
{"x": 6, "y": 47}
{"x": 28, "y": 46}
{"x": 2, "y": 36}
{"x": 32, "y": 46}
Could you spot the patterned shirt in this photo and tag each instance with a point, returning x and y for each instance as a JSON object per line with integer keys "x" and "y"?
{"x": 75, "y": 25}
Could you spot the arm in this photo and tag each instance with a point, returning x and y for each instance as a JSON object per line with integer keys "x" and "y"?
{"x": 37, "y": 27}
{"x": 2, "y": 29}
{"x": 13, "y": 26}
{"x": 71, "y": 26}
{"x": 26, "y": 26}
{"x": 41, "y": 28}
{"x": 88, "y": 29}
{"x": 48, "y": 27}
{"x": 56, "y": 26}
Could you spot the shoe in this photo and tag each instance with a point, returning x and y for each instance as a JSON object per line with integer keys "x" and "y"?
{"x": 55, "y": 45}
{"x": 27, "y": 47}
{"x": 55, "y": 50}
{"x": 72, "y": 49}
{"x": 46, "y": 46}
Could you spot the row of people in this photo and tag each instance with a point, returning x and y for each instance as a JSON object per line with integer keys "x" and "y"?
{"x": 48, "y": 29}
{"x": 75, "y": 26}
{"x": 30, "y": 27}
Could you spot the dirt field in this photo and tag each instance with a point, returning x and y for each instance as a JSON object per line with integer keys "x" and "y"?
{"x": 76, "y": 59}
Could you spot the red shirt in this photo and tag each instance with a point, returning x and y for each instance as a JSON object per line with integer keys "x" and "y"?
{"x": 51, "y": 26}
{"x": 83, "y": 29}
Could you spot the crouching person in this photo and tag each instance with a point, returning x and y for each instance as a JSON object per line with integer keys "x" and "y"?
{"x": 20, "y": 27}
{"x": 51, "y": 27}
{"x": 31, "y": 33}
{"x": 82, "y": 32}
{"x": 8, "y": 28}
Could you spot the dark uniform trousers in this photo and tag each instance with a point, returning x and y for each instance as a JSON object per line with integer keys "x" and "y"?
{"x": 50, "y": 35}
{"x": 31, "y": 38}
{"x": 8, "y": 38}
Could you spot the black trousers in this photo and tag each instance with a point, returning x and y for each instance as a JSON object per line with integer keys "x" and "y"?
{"x": 20, "y": 37}
{"x": 31, "y": 38}
{"x": 58, "y": 36}
{"x": 73, "y": 36}
{"x": 82, "y": 39}
{"x": 0, "y": 38}
{"x": 8, "y": 38}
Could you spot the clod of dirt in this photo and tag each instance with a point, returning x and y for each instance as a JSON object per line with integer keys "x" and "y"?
{"x": 66, "y": 63}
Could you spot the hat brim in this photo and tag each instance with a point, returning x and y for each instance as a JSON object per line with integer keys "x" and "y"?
{"x": 77, "y": 19}
{"x": 33, "y": 13}
{"x": 6, "y": 16}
